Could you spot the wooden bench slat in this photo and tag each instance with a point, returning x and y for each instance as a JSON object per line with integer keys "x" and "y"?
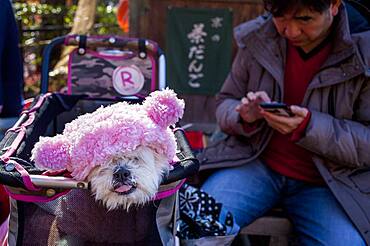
{"x": 268, "y": 226}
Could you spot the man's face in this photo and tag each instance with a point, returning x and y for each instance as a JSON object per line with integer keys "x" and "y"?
{"x": 305, "y": 28}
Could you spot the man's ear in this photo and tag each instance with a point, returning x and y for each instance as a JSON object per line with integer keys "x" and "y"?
{"x": 334, "y": 7}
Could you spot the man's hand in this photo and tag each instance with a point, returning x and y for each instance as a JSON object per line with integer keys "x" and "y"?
{"x": 284, "y": 124}
{"x": 249, "y": 109}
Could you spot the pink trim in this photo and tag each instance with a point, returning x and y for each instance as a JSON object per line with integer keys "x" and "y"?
{"x": 5, "y": 157}
{"x": 169, "y": 192}
{"x": 21, "y": 133}
{"x": 33, "y": 198}
{"x": 38, "y": 104}
{"x": 69, "y": 78}
{"x": 29, "y": 121}
{"x": 25, "y": 176}
{"x": 153, "y": 85}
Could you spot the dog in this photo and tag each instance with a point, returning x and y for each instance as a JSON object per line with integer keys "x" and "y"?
{"x": 130, "y": 179}
{"x": 122, "y": 150}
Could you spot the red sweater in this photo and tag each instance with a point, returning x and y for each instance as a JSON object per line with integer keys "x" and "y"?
{"x": 282, "y": 154}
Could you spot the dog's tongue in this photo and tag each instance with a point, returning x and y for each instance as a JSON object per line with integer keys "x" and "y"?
{"x": 123, "y": 188}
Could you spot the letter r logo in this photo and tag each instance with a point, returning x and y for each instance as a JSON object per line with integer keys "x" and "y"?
{"x": 126, "y": 78}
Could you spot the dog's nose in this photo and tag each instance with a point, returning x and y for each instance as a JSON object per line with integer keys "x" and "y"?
{"x": 121, "y": 173}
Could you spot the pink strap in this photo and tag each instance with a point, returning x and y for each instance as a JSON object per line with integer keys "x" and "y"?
{"x": 5, "y": 157}
{"x": 38, "y": 104}
{"x": 167, "y": 193}
{"x": 34, "y": 198}
{"x": 22, "y": 129}
{"x": 25, "y": 175}
{"x": 154, "y": 73}
{"x": 21, "y": 133}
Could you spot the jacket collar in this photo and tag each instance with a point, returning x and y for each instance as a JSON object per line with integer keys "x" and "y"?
{"x": 342, "y": 38}
{"x": 342, "y": 47}
{"x": 269, "y": 48}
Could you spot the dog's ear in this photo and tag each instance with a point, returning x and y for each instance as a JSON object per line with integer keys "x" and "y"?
{"x": 164, "y": 108}
{"x": 51, "y": 153}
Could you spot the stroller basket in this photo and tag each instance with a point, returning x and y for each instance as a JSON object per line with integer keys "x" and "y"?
{"x": 61, "y": 209}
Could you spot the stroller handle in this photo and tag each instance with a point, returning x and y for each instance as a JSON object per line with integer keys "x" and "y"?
{"x": 188, "y": 164}
{"x": 141, "y": 45}
{"x": 58, "y": 182}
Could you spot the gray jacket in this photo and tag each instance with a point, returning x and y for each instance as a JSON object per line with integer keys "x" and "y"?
{"x": 339, "y": 100}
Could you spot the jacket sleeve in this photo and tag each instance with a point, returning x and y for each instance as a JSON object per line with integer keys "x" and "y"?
{"x": 346, "y": 142}
{"x": 233, "y": 89}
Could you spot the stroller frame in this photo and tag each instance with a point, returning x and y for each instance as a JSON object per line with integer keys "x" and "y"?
{"x": 27, "y": 183}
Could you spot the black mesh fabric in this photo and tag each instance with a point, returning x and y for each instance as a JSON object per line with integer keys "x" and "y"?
{"x": 76, "y": 219}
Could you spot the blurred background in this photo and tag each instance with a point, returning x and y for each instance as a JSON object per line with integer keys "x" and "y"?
{"x": 40, "y": 21}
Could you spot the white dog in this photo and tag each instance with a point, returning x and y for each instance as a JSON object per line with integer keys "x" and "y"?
{"x": 122, "y": 150}
{"x": 130, "y": 179}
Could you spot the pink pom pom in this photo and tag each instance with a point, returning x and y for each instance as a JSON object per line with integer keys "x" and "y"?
{"x": 51, "y": 153}
{"x": 164, "y": 108}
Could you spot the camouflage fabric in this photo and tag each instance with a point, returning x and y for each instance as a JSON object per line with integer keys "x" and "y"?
{"x": 92, "y": 73}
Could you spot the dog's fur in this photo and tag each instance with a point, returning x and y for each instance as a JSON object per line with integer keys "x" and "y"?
{"x": 123, "y": 150}
{"x": 146, "y": 171}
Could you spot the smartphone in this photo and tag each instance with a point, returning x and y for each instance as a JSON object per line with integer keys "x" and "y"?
{"x": 277, "y": 108}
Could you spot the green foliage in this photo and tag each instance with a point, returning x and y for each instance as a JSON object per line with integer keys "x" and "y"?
{"x": 39, "y": 23}
{"x": 32, "y": 16}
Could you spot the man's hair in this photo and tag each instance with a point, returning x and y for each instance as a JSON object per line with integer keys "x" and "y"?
{"x": 279, "y": 7}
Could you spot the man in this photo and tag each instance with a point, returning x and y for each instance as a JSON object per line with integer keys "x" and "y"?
{"x": 316, "y": 163}
{"x": 11, "y": 69}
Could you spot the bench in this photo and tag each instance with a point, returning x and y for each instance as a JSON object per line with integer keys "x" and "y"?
{"x": 278, "y": 228}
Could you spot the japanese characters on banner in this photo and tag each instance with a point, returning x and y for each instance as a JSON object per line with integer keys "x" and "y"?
{"x": 198, "y": 49}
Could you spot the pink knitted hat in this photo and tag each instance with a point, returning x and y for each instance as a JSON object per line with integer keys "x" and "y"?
{"x": 94, "y": 139}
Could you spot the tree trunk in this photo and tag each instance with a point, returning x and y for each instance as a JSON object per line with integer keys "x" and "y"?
{"x": 84, "y": 17}
{"x": 83, "y": 22}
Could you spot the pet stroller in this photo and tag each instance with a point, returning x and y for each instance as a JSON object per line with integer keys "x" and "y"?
{"x": 50, "y": 208}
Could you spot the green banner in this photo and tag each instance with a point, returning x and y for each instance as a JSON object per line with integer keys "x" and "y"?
{"x": 198, "y": 49}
